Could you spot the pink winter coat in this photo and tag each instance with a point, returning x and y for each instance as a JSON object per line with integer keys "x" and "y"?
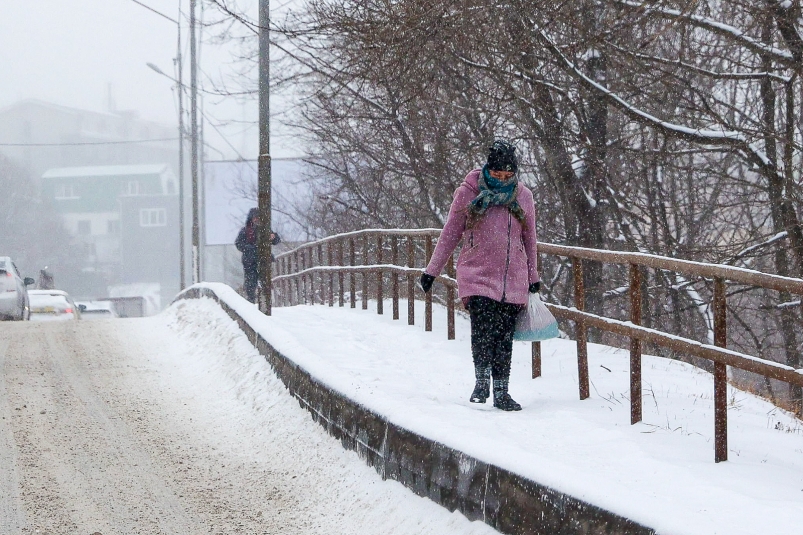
{"x": 499, "y": 255}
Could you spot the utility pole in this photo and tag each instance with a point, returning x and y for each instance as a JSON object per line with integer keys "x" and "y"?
{"x": 196, "y": 246}
{"x": 181, "y": 247}
{"x": 264, "y": 178}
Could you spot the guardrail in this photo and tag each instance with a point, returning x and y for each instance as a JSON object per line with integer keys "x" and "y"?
{"x": 363, "y": 254}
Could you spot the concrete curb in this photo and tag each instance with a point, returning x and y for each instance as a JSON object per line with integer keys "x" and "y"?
{"x": 506, "y": 501}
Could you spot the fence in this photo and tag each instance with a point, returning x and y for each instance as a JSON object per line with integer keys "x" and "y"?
{"x": 325, "y": 265}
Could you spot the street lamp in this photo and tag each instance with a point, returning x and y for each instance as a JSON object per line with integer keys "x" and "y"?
{"x": 182, "y": 263}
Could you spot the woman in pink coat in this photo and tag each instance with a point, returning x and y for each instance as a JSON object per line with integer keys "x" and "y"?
{"x": 494, "y": 216}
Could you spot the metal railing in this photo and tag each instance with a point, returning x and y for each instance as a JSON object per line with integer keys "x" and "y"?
{"x": 363, "y": 255}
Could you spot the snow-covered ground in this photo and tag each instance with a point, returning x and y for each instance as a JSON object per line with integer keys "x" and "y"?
{"x": 659, "y": 473}
{"x": 174, "y": 425}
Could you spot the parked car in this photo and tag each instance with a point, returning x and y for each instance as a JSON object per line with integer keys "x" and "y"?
{"x": 53, "y": 305}
{"x": 92, "y": 310}
{"x": 14, "y": 303}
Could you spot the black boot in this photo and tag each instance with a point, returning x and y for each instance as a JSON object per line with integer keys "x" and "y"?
{"x": 502, "y": 399}
{"x": 482, "y": 389}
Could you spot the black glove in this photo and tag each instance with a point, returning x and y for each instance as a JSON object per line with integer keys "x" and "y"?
{"x": 426, "y": 282}
{"x": 535, "y": 287}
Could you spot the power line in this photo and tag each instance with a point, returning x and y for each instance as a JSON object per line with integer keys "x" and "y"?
{"x": 77, "y": 144}
{"x": 149, "y": 8}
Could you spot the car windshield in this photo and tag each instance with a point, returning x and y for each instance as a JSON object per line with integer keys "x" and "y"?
{"x": 48, "y": 300}
{"x": 2, "y": 265}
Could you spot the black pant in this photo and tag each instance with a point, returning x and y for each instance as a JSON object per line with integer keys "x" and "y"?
{"x": 492, "y": 326}
{"x": 250, "y": 283}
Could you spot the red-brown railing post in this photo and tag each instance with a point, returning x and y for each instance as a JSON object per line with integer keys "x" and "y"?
{"x": 410, "y": 282}
{"x": 380, "y": 293}
{"x": 352, "y": 274}
{"x": 428, "y": 295}
{"x": 635, "y": 345}
{"x": 340, "y": 272}
{"x": 280, "y": 286}
{"x": 288, "y": 270}
{"x": 311, "y": 277}
{"x": 536, "y": 346}
{"x": 582, "y": 338}
{"x": 278, "y": 294}
{"x": 365, "y": 273}
{"x": 304, "y": 290}
{"x": 394, "y": 245}
{"x": 450, "y": 334}
{"x": 288, "y": 282}
{"x": 720, "y": 374}
{"x": 329, "y": 258}
{"x": 321, "y": 276}
{"x": 296, "y": 280}
{"x": 536, "y": 358}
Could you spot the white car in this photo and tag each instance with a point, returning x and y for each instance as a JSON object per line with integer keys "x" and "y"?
{"x": 53, "y": 305}
{"x": 13, "y": 292}
{"x": 93, "y": 310}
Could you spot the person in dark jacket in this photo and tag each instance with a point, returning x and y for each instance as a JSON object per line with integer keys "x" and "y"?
{"x": 494, "y": 216}
{"x": 246, "y": 243}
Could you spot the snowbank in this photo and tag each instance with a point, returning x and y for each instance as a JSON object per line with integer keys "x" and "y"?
{"x": 659, "y": 473}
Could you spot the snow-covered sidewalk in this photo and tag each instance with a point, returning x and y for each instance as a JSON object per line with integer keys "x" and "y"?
{"x": 659, "y": 473}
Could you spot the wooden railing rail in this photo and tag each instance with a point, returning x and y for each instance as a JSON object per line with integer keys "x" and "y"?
{"x": 363, "y": 254}
{"x": 687, "y": 267}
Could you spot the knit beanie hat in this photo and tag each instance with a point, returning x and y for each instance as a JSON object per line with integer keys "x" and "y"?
{"x": 502, "y": 157}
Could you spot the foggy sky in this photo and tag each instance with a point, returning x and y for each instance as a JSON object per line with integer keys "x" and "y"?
{"x": 68, "y": 51}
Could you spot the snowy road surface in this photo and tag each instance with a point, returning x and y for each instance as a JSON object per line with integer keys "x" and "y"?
{"x": 173, "y": 424}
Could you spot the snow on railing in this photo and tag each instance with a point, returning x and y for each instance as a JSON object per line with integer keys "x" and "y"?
{"x": 321, "y": 268}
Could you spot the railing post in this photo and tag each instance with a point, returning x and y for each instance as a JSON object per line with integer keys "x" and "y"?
{"x": 536, "y": 358}
{"x": 288, "y": 264}
{"x": 365, "y": 273}
{"x": 329, "y": 258}
{"x": 394, "y": 245}
{"x": 288, "y": 283}
{"x": 340, "y": 272}
{"x": 303, "y": 266}
{"x": 280, "y": 287}
{"x": 295, "y": 281}
{"x": 380, "y": 294}
{"x": 298, "y": 279}
{"x": 720, "y": 374}
{"x": 428, "y": 295}
{"x": 536, "y": 346}
{"x": 410, "y": 282}
{"x": 582, "y": 338}
{"x": 450, "y": 334}
{"x": 635, "y": 345}
{"x": 352, "y": 274}
{"x": 311, "y": 277}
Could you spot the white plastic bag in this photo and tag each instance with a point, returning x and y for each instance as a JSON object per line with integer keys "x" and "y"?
{"x": 535, "y": 322}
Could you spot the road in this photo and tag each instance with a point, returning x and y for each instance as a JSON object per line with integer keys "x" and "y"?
{"x": 170, "y": 425}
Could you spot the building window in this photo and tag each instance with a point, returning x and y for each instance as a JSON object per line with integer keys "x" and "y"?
{"x": 113, "y": 226}
{"x": 132, "y": 187}
{"x": 65, "y": 191}
{"x": 84, "y": 227}
{"x": 152, "y": 217}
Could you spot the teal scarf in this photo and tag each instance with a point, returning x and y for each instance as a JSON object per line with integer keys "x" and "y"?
{"x": 494, "y": 192}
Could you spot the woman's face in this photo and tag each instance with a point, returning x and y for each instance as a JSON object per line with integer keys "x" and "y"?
{"x": 504, "y": 176}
